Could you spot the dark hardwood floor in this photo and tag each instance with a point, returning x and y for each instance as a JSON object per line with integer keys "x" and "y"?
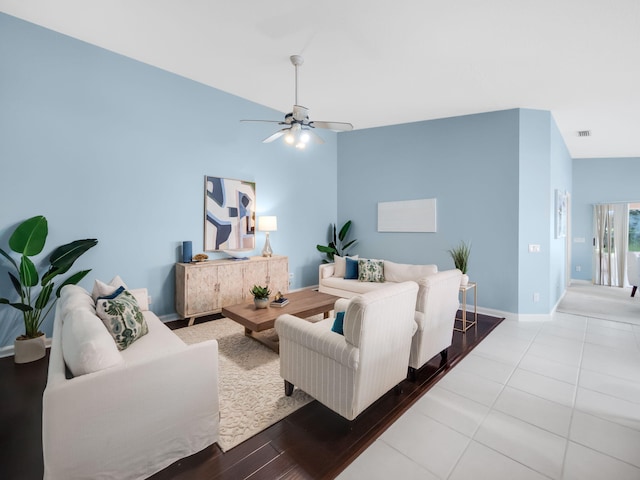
{"x": 312, "y": 443}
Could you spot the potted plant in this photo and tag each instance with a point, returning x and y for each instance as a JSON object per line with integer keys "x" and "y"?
{"x": 28, "y": 240}
{"x": 336, "y": 245}
{"x": 460, "y": 256}
{"x": 260, "y": 296}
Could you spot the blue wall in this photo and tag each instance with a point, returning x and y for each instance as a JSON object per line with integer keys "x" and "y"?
{"x": 493, "y": 175}
{"x": 545, "y": 166}
{"x": 470, "y": 165}
{"x": 598, "y": 180}
{"x": 108, "y": 147}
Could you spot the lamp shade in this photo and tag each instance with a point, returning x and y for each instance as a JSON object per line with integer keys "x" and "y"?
{"x": 268, "y": 223}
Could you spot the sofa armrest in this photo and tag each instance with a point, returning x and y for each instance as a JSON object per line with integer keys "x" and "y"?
{"x": 326, "y": 270}
{"x": 341, "y": 305}
{"x": 170, "y": 401}
{"x": 313, "y": 337}
{"x": 142, "y": 297}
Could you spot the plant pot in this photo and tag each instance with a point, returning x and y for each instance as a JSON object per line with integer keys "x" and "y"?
{"x": 261, "y": 302}
{"x": 29, "y": 349}
{"x": 464, "y": 280}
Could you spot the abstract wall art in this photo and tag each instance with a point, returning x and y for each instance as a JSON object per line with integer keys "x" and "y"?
{"x": 229, "y": 214}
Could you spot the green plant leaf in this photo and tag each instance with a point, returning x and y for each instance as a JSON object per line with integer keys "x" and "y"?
{"x": 324, "y": 249}
{"x": 72, "y": 280}
{"x": 29, "y": 237}
{"x": 347, "y": 245}
{"x": 6, "y": 255}
{"x": 344, "y": 230}
{"x": 28, "y": 273}
{"x": 43, "y": 297}
{"x": 64, "y": 256}
{"x": 20, "y": 306}
{"x": 16, "y": 284}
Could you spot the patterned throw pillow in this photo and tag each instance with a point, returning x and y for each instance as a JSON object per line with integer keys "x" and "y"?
{"x": 123, "y": 318}
{"x": 370, "y": 270}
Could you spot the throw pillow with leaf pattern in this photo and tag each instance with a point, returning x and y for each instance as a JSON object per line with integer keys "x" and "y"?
{"x": 370, "y": 270}
{"x": 123, "y": 318}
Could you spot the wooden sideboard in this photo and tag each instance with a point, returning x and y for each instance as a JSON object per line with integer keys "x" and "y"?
{"x": 203, "y": 288}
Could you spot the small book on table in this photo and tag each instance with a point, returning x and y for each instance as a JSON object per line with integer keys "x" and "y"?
{"x": 280, "y": 302}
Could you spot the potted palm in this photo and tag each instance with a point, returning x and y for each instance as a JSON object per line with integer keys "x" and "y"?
{"x": 35, "y": 293}
{"x": 460, "y": 256}
{"x": 339, "y": 245}
{"x": 260, "y": 296}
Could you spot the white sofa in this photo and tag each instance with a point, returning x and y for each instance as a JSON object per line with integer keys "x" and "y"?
{"x": 125, "y": 414}
{"x": 329, "y": 282}
{"x": 347, "y": 373}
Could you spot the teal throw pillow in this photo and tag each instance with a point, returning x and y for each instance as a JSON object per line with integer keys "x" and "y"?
{"x": 338, "y": 323}
{"x": 370, "y": 270}
{"x": 351, "y": 269}
{"x": 123, "y": 318}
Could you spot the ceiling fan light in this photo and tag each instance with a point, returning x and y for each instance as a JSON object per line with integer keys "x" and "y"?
{"x": 289, "y": 138}
{"x": 301, "y": 145}
{"x": 305, "y": 137}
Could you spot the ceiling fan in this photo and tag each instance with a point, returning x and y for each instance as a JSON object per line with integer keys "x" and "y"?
{"x": 299, "y": 129}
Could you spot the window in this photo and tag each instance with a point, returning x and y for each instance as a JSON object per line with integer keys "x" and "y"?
{"x": 634, "y": 227}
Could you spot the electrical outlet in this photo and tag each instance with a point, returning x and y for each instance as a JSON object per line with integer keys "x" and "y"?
{"x": 578, "y": 268}
{"x": 290, "y": 278}
{"x": 534, "y": 248}
{"x": 536, "y": 297}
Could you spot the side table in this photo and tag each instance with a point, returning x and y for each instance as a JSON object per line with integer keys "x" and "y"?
{"x": 467, "y": 324}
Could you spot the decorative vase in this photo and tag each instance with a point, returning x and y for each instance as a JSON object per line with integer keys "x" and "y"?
{"x": 29, "y": 349}
{"x": 464, "y": 280}
{"x": 261, "y": 302}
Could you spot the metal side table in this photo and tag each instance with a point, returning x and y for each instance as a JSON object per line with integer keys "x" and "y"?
{"x": 466, "y": 323}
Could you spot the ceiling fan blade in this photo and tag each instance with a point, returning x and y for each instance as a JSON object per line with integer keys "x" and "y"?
{"x": 280, "y": 122}
{"x": 314, "y": 136}
{"x": 275, "y": 136}
{"x": 334, "y": 126}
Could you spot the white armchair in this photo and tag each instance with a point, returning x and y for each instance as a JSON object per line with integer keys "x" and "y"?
{"x": 633, "y": 270}
{"x": 347, "y": 373}
{"x": 435, "y": 316}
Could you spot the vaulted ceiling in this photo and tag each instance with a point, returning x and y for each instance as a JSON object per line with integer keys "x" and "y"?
{"x": 374, "y": 62}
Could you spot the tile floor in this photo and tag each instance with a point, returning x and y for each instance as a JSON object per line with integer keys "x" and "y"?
{"x": 535, "y": 400}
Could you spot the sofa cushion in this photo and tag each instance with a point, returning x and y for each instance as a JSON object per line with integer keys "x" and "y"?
{"x": 157, "y": 343}
{"x": 370, "y": 270}
{"x": 73, "y": 297}
{"x": 123, "y": 318}
{"x": 341, "y": 265}
{"x": 351, "y": 285}
{"x": 351, "y": 269}
{"x": 87, "y": 346}
{"x": 100, "y": 289}
{"x": 402, "y": 272}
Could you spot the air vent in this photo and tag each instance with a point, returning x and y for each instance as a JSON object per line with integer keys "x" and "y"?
{"x": 584, "y": 133}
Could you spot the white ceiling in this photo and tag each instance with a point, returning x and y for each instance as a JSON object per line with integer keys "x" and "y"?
{"x": 375, "y": 62}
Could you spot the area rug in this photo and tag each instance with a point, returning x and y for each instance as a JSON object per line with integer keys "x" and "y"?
{"x": 597, "y": 301}
{"x": 251, "y": 390}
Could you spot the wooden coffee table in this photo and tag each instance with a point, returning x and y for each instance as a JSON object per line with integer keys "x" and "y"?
{"x": 304, "y": 304}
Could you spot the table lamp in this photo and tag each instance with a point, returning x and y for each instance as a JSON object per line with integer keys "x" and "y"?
{"x": 267, "y": 224}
